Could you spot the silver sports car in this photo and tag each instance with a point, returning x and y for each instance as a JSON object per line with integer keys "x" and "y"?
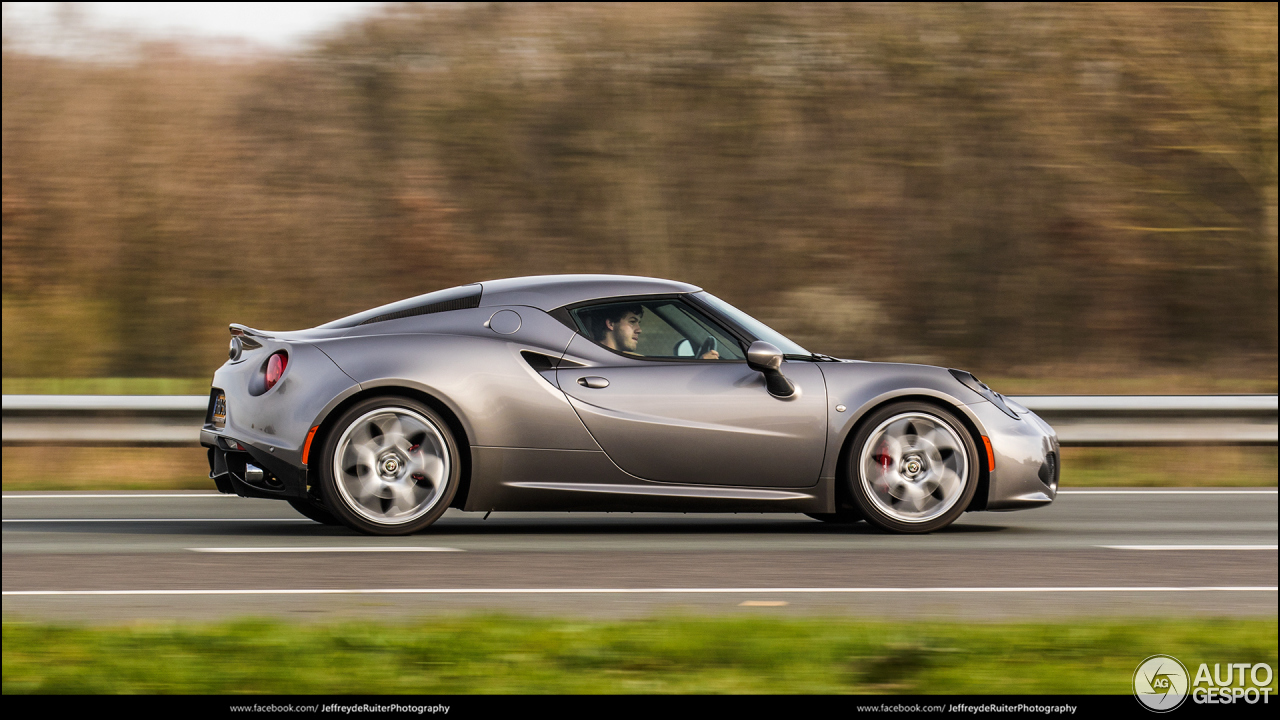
{"x": 605, "y": 393}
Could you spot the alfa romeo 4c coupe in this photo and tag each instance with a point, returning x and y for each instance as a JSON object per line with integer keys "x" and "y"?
{"x": 605, "y": 393}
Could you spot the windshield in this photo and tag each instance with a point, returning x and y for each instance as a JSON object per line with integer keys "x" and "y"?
{"x": 753, "y": 326}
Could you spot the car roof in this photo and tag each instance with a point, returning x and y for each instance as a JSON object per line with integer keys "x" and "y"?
{"x": 548, "y": 292}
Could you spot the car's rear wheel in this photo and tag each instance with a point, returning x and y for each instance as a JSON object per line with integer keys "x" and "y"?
{"x": 912, "y": 468}
{"x": 390, "y": 466}
{"x": 314, "y": 511}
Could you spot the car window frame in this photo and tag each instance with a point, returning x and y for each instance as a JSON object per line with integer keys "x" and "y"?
{"x": 563, "y": 314}
{"x": 738, "y": 330}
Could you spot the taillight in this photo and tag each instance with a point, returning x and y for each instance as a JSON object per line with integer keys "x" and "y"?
{"x": 275, "y": 368}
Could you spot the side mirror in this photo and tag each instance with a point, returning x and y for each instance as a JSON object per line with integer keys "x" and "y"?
{"x": 766, "y": 358}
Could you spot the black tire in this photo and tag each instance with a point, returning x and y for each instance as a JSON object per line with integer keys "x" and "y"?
{"x": 314, "y": 511}
{"x": 843, "y": 516}
{"x": 930, "y": 468}
{"x": 415, "y": 468}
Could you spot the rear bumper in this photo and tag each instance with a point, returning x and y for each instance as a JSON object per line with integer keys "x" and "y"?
{"x": 229, "y": 458}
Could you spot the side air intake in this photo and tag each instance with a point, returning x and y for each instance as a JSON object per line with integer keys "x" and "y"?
{"x": 542, "y": 362}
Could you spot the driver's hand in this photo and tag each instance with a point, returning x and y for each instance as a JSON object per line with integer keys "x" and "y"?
{"x": 710, "y": 355}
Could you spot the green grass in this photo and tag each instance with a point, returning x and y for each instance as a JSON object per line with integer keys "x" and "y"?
{"x": 107, "y": 386}
{"x": 106, "y": 468}
{"x": 63, "y": 468}
{"x": 1169, "y": 467}
{"x": 503, "y": 654}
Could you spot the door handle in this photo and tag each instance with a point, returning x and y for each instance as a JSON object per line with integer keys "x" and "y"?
{"x": 593, "y": 382}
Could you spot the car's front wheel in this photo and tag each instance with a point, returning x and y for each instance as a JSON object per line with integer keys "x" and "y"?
{"x": 912, "y": 468}
{"x": 390, "y": 466}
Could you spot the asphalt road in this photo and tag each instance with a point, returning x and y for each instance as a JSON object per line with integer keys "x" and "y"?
{"x": 115, "y": 556}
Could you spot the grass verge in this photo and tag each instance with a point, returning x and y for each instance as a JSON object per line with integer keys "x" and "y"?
{"x": 106, "y": 468}
{"x": 504, "y": 654}
{"x": 58, "y": 468}
{"x": 1169, "y": 467}
{"x": 107, "y": 386}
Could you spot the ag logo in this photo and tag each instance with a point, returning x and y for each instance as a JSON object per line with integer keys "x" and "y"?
{"x": 1160, "y": 683}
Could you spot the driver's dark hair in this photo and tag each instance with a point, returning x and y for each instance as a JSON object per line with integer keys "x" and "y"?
{"x": 597, "y": 318}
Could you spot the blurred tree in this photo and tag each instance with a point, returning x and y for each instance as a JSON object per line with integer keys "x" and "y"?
{"x": 1001, "y": 187}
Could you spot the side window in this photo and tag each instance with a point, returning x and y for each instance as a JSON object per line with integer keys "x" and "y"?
{"x": 660, "y": 329}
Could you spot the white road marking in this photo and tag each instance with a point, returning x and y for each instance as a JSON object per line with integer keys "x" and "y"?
{"x": 642, "y": 591}
{"x": 370, "y": 549}
{"x": 1168, "y": 492}
{"x": 1188, "y": 547}
{"x": 138, "y": 520}
{"x": 69, "y": 496}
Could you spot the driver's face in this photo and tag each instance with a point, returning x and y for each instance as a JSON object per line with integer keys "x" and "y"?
{"x": 625, "y": 333}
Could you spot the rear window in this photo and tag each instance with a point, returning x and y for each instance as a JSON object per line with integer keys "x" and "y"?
{"x": 456, "y": 298}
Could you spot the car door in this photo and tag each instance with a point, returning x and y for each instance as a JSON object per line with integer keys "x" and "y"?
{"x": 684, "y": 420}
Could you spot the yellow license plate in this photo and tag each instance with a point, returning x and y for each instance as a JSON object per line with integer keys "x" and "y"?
{"x": 220, "y": 411}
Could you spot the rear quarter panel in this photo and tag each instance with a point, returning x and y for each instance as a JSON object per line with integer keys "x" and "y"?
{"x": 479, "y": 374}
{"x": 278, "y": 420}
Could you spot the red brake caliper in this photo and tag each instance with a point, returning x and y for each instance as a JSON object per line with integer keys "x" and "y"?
{"x": 882, "y": 458}
{"x": 417, "y": 476}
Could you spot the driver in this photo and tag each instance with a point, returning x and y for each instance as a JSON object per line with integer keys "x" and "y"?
{"x": 618, "y": 328}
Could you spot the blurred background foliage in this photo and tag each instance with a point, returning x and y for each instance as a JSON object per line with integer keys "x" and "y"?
{"x": 1024, "y": 190}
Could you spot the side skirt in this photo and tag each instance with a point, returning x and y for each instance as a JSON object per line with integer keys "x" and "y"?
{"x": 522, "y": 479}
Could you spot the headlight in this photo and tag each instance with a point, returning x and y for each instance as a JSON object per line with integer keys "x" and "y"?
{"x": 981, "y": 388}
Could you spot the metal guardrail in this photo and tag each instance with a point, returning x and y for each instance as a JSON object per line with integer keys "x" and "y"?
{"x": 1080, "y": 420}
{"x": 89, "y": 404}
{"x": 1101, "y": 420}
{"x": 103, "y": 420}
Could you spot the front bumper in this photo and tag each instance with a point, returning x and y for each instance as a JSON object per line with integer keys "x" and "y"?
{"x": 1028, "y": 459}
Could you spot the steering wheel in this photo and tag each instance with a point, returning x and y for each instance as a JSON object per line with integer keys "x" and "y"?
{"x": 707, "y": 346}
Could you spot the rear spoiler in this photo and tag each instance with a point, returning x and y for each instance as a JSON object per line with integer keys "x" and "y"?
{"x": 247, "y": 335}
